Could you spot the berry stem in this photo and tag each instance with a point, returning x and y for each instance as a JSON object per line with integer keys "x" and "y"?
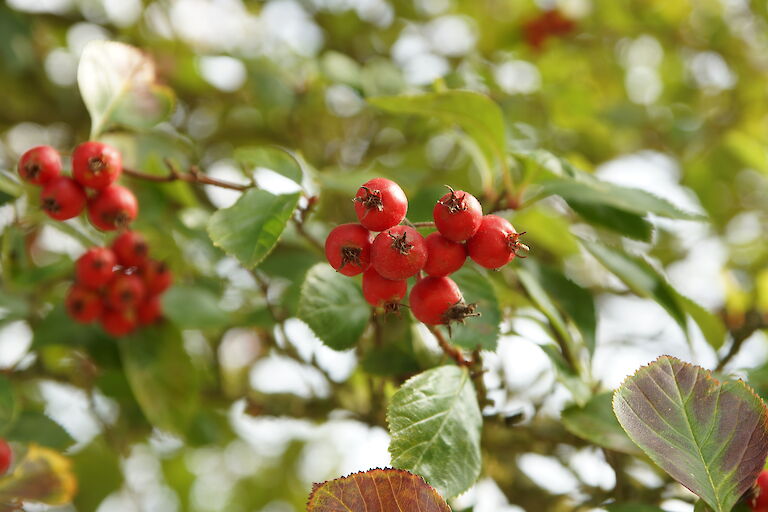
{"x": 449, "y": 350}
{"x": 194, "y": 175}
{"x": 428, "y": 224}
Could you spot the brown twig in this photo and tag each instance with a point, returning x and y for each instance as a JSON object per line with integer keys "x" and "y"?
{"x": 423, "y": 224}
{"x": 449, "y": 350}
{"x": 754, "y": 322}
{"x": 194, "y": 175}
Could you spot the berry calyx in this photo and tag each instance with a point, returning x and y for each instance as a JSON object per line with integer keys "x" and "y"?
{"x": 62, "y": 198}
{"x": 398, "y": 253}
{"x": 444, "y": 256}
{"x": 457, "y": 215}
{"x": 150, "y": 310}
{"x": 94, "y": 268}
{"x": 83, "y": 305}
{"x": 40, "y": 165}
{"x": 348, "y": 249}
{"x": 496, "y": 243}
{"x": 96, "y": 165}
{"x": 125, "y": 291}
{"x": 380, "y": 204}
{"x": 381, "y": 292}
{"x": 438, "y": 300}
{"x": 131, "y": 249}
{"x": 6, "y": 456}
{"x": 156, "y": 275}
{"x": 112, "y": 208}
{"x": 118, "y": 322}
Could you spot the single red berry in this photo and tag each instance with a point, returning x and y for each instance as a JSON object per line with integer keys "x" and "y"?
{"x": 398, "y": 253}
{"x": 443, "y": 256}
{"x": 380, "y": 204}
{"x": 156, "y": 275}
{"x": 759, "y": 503}
{"x": 112, "y": 208}
{"x": 496, "y": 243}
{"x": 83, "y": 305}
{"x": 457, "y": 215}
{"x": 94, "y": 268}
{"x": 96, "y": 165}
{"x": 62, "y": 198}
{"x": 118, "y": 322}
{"x": 437, "y": 300}
{"x": 40, "y": 165}
{"x": 150, "y": 310}
{"x": 131, "y": 249}
{"x": 348, "y": 249}
{"x": 125, "y": 291}
{"x": 379, "y": 291}
{"x": 6, "y": 456}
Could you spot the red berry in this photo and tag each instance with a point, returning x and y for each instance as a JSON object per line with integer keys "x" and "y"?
{"x": 398, "y": 253}
{"x": 150, "y": 310}
{"x": 94, "y": 268}
{"x": 40, "y": 165}
{"x": 130, "y": 248}
{"x": 62, "y": 198}
{"x": 125, "y": 291}
{"x": 348, "y": 249}
{"x": 83, "y": 305}
{"x": 6, "y": 456}
{"x": 382, "y": 292}
{"x": 118, "y": 322}
{"x": 112, "y": 208}
{"x": 443, "y": 256}
{"x": 760, "y": 502}
{"x": 156, "y": 275}
{"x": 437, "y": 300}
{"x": 380, "y": 204}
{"x": 96, "y": 165}
{"x": 495, "y": 244}
{"x": 457, "y": 215}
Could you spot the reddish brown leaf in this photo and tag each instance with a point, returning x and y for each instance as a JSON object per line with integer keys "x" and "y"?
{"x": 377, "y": 490}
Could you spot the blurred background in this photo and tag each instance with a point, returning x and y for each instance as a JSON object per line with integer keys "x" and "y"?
{"x": 670, "y": 96}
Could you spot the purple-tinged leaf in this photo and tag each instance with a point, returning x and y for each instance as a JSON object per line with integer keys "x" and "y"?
{"x": 712, "y": 437}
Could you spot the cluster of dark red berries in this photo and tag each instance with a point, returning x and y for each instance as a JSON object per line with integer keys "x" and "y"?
{"x": 400, "y": 251}
{"x": 95, "y": 167}
{"x": 120, "y": 286}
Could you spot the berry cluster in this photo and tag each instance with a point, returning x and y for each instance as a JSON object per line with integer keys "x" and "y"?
{"x": 399, "y": 252}
{"x": 119, "y": 285}
{"x": 95, "y": 167}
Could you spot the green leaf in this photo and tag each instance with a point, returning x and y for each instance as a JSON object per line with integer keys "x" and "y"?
{"x": 566, "y": 375}
{"x": 711, "y": 325}
{"x": 96, "y": 463}
{"x": 640, "y": 277}
{"x": 163, "y": 380}
{"x": 435, "y": 423}
{"x": 273, "y": 158}
{"x": 118, "y": 85}
{"x": 625, "y": 223}
{"x": 36, "y": 427}
{"x": 383, "y": 490}
{"x": 482, "y": 331}
{"x": 712, "y": 437}
{"x": 596, "y": 423}
{"x": 333, "y": 306}
{"x": 395, "y": 355}
{"x": 632, "y": 507}
{"x": 479, "y": 116}
{"x": 592, "y": 191}
{"x": 8, "y": 405}
{"x": 193, "y": 307}
{"x": 250, "y": 229}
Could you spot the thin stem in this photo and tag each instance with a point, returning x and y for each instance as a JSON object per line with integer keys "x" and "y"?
{"x": 427, "y": 224}
{"x": 753, "y": 322}
{"x": 449, "y": 350}
{"x": 194, "y": 175}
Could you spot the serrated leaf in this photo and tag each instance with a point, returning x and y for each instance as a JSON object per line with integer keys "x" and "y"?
{"x": 119, "y": 86}
{"x": 625, "y": 223}
{"x": 272, "y": 158}
{"x": 193, "y": 307}
{"x": 479, "y": 116}
{"x": 435, "y": 423}
{"x": 640, "y": 277}
{"x": 712, "y": 437}
{"x": 36, "y": 427}
{"x": 161, "y": 375}
{"x": 382, "y": 490}
{"x": 482, "y": 331}
{"x": 41, "y": 475}
{"x": 596, "y": 423}
{"x": 250, "y": 229}
{"x": 333, "y": 306}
